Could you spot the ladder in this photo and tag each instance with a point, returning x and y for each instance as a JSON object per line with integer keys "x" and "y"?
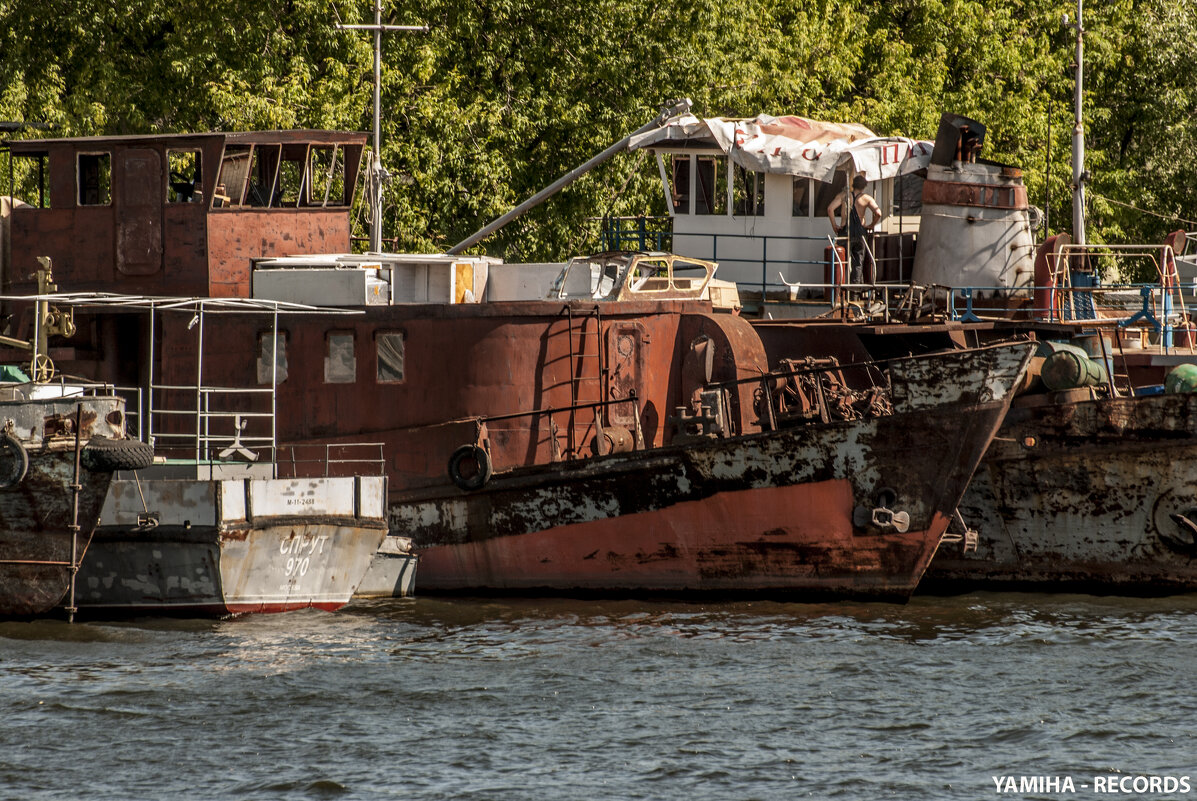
{"x": 579, "y": 358}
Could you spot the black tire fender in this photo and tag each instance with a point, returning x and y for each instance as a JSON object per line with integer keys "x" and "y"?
{"x": 14, "y": 461}
{"x": 470, "y": 467}
{"x": 102, "y": 454}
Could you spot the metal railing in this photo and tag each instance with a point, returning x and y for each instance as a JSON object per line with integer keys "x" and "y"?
{"x": 330, "y": 459}
{"x": 650, "y": 233}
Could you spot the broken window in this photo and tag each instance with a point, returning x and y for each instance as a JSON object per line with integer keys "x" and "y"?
{"x": 710, "y": 196}
{"x": 30, "y": 179}
{"x": 185, "y": 184}
{"x": 679, "y": 188}
{"x": 272, "y": 357}
{"x": 292, "y": 187}
{"x": 340, "y": 365}
{"x": 390, "y": 357}
{"x": 230, "y": 181}
{"x": 749, "y": 191}
{"x": 802, "y": 192}
{"x": 263, "y": 174}
{"x": 327, "y": 171}
{"x": 649, "y": 275}
{"x": 95, "y": 179}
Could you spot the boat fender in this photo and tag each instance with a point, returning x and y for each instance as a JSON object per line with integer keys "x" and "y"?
{"x": 14, "y": 461}
{"x": 470, "y": 467}
{"x": 102, "y": 454}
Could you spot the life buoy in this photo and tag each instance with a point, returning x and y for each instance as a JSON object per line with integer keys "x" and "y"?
{"x": 470, "y": 467}
{"x": 14, "y": 461}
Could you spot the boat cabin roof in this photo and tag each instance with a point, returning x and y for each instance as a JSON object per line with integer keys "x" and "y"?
{"x": 299, "y": 135}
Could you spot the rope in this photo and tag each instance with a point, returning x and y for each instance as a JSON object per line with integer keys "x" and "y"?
{"x": 1176, "y": 217}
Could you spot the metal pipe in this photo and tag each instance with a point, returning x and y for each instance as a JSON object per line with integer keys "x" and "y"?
{"x": 1078, "y": 137}
{"x": 376, "y": 165}
{"x": 676, "y": 108}
{"x": 76, "y": 488}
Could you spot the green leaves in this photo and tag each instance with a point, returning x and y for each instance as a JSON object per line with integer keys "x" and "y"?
{"x": 501, "y": 97}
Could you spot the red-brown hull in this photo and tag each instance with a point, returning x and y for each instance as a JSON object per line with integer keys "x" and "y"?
{"x": 786, "y": 540}
{"x": 838, "y": 510}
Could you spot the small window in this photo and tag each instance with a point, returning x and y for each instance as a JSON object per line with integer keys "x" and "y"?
{"x": 908, "y": 194}
{"x": 271, "y": 358}
{"x": 749, "y": 190}
{"x": 801, "y": 197}
{"x": 340, "y": 365}
{"x": 230, "y": 182}
{"x": 263, "y": 176}
{"x": 680, "y": 183}
{"x": 185, "y": 184}
{"x": 390, "y": 357}
{"x": 826, "y": 192}
{"x": 290, "y": 180}
{"x": 711, "y": 194}
{"x": 95, "y": 179}
{"x": 30, "y": 179}
{"x": 328, "y": 176}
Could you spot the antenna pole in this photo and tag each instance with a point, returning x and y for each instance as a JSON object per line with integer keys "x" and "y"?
{"x": 378, "y": 174}
{"x": 1079, "y": 176}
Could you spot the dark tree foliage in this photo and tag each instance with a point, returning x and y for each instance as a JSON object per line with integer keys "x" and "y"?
{"x": 500, "y": 97}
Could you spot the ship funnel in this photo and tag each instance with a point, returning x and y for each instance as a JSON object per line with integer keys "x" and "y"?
{"x": 975, "y": 229}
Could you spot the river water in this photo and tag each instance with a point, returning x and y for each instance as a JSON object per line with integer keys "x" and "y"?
{"x": 945, "y": 698}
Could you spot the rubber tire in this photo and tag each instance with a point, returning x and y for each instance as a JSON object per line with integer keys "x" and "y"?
{"x": 15, "y": 452}
{"x": 102, "y": 454}
{"x": 479, "y": 477}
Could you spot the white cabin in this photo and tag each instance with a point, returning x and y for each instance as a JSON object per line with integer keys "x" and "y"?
{"x": 753, "y": 194}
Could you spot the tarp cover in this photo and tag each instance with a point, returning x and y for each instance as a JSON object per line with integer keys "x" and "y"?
{"x": 794, "y": 145}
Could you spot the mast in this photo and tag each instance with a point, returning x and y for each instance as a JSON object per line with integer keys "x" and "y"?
{"x": 1079, "y": 176}
{"x": 377, "y": 173}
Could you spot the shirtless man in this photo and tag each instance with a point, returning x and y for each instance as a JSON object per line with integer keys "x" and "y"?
{"x": 853, "y": 226}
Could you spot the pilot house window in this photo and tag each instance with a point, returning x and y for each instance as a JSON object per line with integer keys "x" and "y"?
{"x": 185, "y": 184}
{"x": 748, "y": 188}
{"x": 95, "y": 179}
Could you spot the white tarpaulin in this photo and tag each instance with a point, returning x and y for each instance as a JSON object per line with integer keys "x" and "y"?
{"x": 794, "y": 145}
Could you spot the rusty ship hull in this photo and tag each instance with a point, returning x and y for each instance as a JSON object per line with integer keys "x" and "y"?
{"x": 1095, "y": 495}
{"x": 800, "y": 513}
{"x": 37, "y": 543}
{"x": 231, "y": 546}
{"x": 44, "y": 530}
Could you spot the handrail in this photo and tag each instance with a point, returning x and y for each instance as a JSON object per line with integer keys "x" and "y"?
{"x": 616, "y": 236}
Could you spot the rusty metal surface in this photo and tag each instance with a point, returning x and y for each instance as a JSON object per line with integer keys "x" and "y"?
{"x": 1084, "y": 495}
{"x": 36, "y": 514}
{"x": 787, "y": 511}
{"x": 35, "y": 526}
{"x": 963, "y": 193}
{"x": 140, "y": 243}
{"x": 181, "y": 546}
{"x": 466, "y": 361}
